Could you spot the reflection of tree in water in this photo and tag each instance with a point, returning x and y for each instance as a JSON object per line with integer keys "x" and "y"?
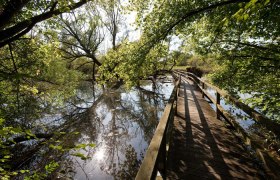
{"x": 115, "y": 133}
{"x": 147, "y": 111}
{"x": 34, "y": 153}
{"x": 129, "y": 115}
{"x": 129, "y": 168}
{"x": 143, "y": 110}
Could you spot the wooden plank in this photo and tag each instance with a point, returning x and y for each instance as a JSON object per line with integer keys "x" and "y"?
{"x": 202, "y": 147}
{"x": 258, "y": 117}
{"x": 269, "y": 159}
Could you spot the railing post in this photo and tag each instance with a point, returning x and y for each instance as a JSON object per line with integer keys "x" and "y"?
{"x": 162, "y": 157}
{"x": 203, "y": 86}
{"x": 218, "y": 99}
{"x": 180, "y": 79}
{"x": 177, "y": 94}
{"x": 176, "y": 99}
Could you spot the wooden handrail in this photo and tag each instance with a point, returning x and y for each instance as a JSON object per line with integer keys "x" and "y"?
{"x": 268, "y": 158}
{"x": 258, "y": 117}
{"x": 155, "y": 157}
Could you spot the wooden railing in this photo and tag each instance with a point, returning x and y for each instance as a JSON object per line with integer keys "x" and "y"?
{"x": 156, "y": 155}
{"x": 266, "y": 156}
{"x": 259, "y": 118}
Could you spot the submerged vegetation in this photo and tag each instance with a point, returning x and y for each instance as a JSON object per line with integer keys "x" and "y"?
{"x": 47, "y": 48}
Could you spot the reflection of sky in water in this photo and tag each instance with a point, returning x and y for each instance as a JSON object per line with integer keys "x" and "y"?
{"x": 119, "y": 122}
{"x": 124, "y": 122}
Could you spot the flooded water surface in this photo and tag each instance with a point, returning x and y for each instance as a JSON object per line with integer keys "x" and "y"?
{"x": 102, "y": 134}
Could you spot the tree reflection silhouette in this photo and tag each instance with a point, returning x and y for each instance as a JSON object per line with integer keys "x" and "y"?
{"x": 121, "y": 123}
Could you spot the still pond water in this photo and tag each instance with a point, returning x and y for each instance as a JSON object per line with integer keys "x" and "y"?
{"x": 120, "y": 123}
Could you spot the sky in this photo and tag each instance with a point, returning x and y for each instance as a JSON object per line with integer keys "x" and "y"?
{"x": 126, "y": 27}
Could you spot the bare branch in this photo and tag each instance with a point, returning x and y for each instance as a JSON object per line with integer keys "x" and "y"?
{"x": 16, "y": 31}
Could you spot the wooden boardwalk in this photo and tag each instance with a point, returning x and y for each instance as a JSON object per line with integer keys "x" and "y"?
{"x": 202, "y": 146}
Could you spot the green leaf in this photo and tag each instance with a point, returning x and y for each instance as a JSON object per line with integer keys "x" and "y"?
{"x": 91, "y": 145}
{"x": 7, "y": 157}
{"x": 23, "y": 171}
{"x": 51, "y": 166}
{"x": 58, "y": 147}
{"x": 82, "y": 156}
{"x": 80, "y": 146}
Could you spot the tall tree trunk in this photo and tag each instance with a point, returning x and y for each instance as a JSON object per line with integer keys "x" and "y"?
{"x": 114, "y": 35}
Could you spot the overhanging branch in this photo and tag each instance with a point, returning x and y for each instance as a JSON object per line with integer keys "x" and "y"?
{"x": 197, "y": 11}
{"x": 14, "y": 32}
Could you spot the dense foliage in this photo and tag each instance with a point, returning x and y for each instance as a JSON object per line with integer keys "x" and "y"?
{"x": 241, "y": 36}
{"x": 46, "y": 46}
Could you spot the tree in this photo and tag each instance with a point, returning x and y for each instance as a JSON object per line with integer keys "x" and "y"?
{"x": 246, "y": 46}
{"x": 30, "y": 70}
{"x": 242, "y": 34}
{"x": 157, "y": 20}
{"x": 19, "y": 17}
{"x": 112, "y": 9}
{"x": 81, "y": 36}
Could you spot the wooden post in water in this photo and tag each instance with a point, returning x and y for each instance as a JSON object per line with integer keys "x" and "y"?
{"x": 218, "y": 100}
